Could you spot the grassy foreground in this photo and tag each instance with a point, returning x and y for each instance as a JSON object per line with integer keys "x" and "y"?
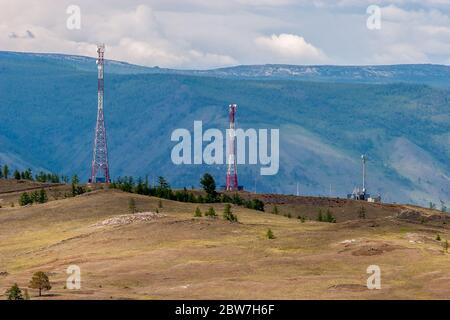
{"x": 177, "y": 256}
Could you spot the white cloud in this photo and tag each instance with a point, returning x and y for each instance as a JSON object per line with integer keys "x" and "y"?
{"x": 290, "y": 48}
{"x": 204, "y": 34}
{"x": 400, "y": 54}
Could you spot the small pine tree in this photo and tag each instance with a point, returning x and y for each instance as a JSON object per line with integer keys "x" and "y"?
{"x": 43, "y": 196}
{"x": 197, "y": 213}
{"x": 445, "y": 246}
{"x": 76, "y": 188}
{"x": 209, "y": 185}
{"x": 160, "y": 204}
{"x": 34, "y": 197}
{"x": 228, "y": 215}
{"x": 40, "y": 281}
{"x": 438, "y": 237}
{"x": 329, "y": 217}
{"x": 16, "y": 175}
{"x": 211, "y": 213}
{"x": 14, "y": 293}
{"x": 25, "y": 199}
{"x": 270, "y": 234}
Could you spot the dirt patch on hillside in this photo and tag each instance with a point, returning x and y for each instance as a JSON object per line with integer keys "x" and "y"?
{"x": 129, "y": 218}
{"x": 374, "y": 249}
{"x": 417, "y": 216}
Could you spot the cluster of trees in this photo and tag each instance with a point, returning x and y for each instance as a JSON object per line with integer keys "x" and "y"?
{"x": 163, "y": 190}
{"x": 24, "y": 175}
{"x": 50, "y": 177}
{"x": 39, "y": 281}
{"x": 33, "y": 197}
{"x": 40, "y": 196}
{"x": 211, "y": 213}
{"x": 28, "y": 175}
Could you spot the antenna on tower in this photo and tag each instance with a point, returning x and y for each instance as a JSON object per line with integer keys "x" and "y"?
{"x": 232, "y": 181}
{"x": 100, "y": 154}
{"x": 364, "y": 159}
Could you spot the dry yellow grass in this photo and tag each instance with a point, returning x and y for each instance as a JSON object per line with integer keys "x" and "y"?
{"x": 178, "y": 256}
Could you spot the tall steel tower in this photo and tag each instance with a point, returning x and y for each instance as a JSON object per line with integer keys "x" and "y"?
{"x": 100, "y": 167}
{"x": 232, "y": 181}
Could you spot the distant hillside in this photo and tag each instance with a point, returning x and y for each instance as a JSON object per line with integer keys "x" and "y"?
{"x": 437, "y": 75}
{"x": 48, "y": 109}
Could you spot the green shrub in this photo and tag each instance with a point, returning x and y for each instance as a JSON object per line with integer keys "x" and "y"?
{"x": 329, "y": 217}
{"x": 270, "y": 234}
{"x": 228, "y": 215}
{"x": 255, "y": 204}
{"x": 25, "y": 199}
{"x": 14, "y": 293}
{"x": 211, "y": 213}
{"x": 197, "y": 213}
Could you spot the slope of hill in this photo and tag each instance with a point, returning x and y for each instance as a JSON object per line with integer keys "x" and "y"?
{"x": 48, "y": 111}
{"x": 175, "y": 256}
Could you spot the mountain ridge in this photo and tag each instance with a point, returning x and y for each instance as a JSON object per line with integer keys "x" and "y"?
{"x": 431, "y": 74}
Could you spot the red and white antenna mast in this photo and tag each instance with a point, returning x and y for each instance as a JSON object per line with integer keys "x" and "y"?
{"x": 100, "y": 167}
{"x": 232, "y": 181}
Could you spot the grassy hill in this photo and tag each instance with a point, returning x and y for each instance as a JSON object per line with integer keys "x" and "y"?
{"x": 172, "y": 255}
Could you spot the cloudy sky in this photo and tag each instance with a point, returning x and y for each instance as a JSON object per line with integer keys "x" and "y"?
{"x": 216, "y": 33}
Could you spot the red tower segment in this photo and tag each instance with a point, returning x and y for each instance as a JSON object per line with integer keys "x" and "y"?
{"x": 232, "y": 180}
{"x": 100, "y": 167}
